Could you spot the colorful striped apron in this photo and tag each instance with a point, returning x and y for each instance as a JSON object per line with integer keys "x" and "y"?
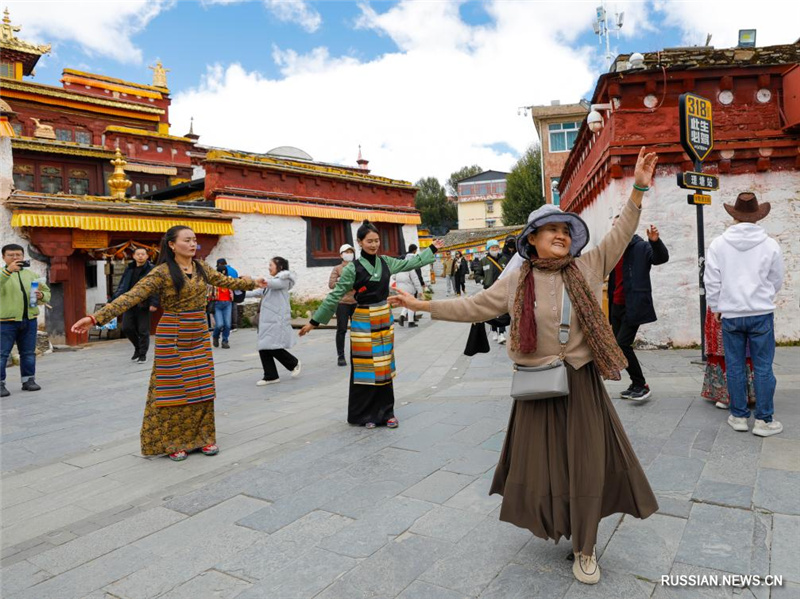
{"x": 184, "y": 369}
{"x": 372, "y": 341}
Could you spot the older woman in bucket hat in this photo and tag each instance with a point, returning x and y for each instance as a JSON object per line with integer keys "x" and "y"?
{"x": 566, "y": 461}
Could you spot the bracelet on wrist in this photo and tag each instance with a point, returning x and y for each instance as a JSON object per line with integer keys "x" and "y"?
{"x": 94, "y": 320}
{"x": 640, "y": 188}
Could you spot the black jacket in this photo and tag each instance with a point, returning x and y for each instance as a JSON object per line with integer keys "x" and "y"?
{"x": 126, "y": 283}
{"x": 639, "y": 256}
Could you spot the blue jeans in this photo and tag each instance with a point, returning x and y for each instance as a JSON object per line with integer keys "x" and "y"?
{"x": 760, "y": 332}
{"x": 222, "y": 319}
{"x": 23, "y": 333}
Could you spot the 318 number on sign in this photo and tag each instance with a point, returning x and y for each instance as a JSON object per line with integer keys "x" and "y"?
{"x": 698, "y": 107}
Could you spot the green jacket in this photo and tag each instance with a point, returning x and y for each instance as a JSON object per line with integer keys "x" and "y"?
{"x": 490, "y": 270}
{"x": 12, "y": 300}
{"x": 346, "y": 280}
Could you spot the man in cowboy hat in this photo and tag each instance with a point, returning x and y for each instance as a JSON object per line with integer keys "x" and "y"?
{"x": 744, "y": 272}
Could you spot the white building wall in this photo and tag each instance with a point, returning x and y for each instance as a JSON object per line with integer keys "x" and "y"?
{"x": 99, "y": 294}
{"x": 675, "y": 284}
{"x": 258, "y": 238}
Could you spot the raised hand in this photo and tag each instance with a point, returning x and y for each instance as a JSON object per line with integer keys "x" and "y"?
{"x": 438, "y": 244}
{"x": 83, "y": 325}
{"x": 645, "y": 168}
{"x": 652, "y": 233}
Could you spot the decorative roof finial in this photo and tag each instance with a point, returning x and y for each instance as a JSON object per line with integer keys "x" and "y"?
{"x": 118, "y": 182}
{"x": 362, "y": 162}
{"x": 159, "y": 75}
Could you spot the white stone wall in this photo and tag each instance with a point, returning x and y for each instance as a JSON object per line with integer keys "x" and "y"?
{"x": 675, "y": 284}
{"x": 99, "y": 294}
{"x": 259, "y": 238}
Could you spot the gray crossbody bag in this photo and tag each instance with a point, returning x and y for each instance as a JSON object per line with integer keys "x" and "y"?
{"x": 540, "y": 382}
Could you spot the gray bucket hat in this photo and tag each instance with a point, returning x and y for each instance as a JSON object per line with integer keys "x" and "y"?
{"x": 548, "y": 213}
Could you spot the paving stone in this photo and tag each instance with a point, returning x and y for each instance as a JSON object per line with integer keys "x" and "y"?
{"x": 727, "y": 494}
{"x": 209, "y": 584}
{"x": 521, "y": 582}
{"x": 495, "y": 442}
{"x": 674, "y": 476}
{"x": 547, "y": 556}
{"x": 478, "y": 559}
{"x": 197, "y": 530}
{"x": 371, "y": 532}
{"x": 475, "y": 498}
{"x": 363, "y": 497}
{"x": 718, "y": 538}
{"x": 644, "y": 547}
{"x": 474, "y": 461}
{"x": 20, "y": 576}
{"x": 762, "y": 541}
{"x": 303, "y": 578}
{"x": 479, "y": 432}
{"x": 439, "y": 486}
{"x": 670, "y": 506}
{"x": 105, "y": 540}
{"x": 612, "y": 585}
{"x": 447, "y": 523}
{"x": 423, "y": 590}
{"x": 44, "y": 523}
{"x": 734, "y": 458}
{"x": 277, "y": 551}
{"x": 397, "y": 564}
{"x": 292, "y": 507}
{"x": 789, "y": 590}
{"x": 680, "y": 441}
{"x": 780, "y": 454}
{"x": 785, "y": 547}
{"x": 606, "y": 529}
{"x": 427, "y": 437}
{"x": 90, "y": 576}
{"x": 777, "y": 491}
{"x": 706, "y": 437}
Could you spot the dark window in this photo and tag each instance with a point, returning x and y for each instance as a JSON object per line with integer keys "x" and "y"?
{"x": 390, "y": 239}
{"x": 64, "y": 134}
{"x": 91, "y": 274}
{"x": 327, "y": 236}
{"x": 24, "y": 177}
{"x": 7, "y": 70}
{"x": 78, "y": 182}
{"x": 83, "y": 138}
{"x": 52, "y": 181}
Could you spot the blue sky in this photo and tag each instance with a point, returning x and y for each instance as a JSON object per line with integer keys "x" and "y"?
{"x": 424, "y": 87}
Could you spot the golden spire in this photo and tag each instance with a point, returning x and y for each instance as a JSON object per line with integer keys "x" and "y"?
{"x": 118, "y": 183}
{"x": 159, "y": 75}
{"x": 10, "y": 42}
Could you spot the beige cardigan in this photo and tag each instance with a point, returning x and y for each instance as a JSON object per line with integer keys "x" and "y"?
{"x": 595, "y": 265}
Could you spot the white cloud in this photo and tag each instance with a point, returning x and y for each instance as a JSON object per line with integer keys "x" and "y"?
{"x": 295, "y": 11}
{"x": 435, "y": 105}
{"x": 101, "y": 28}
{"x": 776, "y": 20}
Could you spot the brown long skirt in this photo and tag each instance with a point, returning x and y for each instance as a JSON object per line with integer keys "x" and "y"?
{"x": 176, "y": 428}
{"x": 567, "y": 462}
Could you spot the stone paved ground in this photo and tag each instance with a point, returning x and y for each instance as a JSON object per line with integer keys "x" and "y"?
{"x": 299, "y": 504}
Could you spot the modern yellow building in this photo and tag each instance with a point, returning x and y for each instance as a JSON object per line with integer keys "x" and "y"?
{"x": 480, "y": 200}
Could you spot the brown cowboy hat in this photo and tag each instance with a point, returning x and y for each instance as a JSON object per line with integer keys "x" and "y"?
{"x": 747, "y": 209}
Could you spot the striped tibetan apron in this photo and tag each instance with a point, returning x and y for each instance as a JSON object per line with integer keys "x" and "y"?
{"x": 184, "y": 369}
{"x": 372, "y": 340}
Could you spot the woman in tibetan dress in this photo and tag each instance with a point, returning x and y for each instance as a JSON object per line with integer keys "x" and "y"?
{"x": 179, "y": 413}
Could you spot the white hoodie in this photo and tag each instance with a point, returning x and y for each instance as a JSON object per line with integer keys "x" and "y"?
{"x": 744, "y": 272}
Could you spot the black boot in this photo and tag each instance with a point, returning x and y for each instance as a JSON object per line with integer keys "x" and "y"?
{"x": 30, "y": 385}
{"x": 342, "y": 361}
{"x": 135, "y": 356}
{"x": 401, "y": 321}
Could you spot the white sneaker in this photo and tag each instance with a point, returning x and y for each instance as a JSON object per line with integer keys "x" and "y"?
{"x": 738, "y": 424}
{"x": 264, "y": 382}
{"x": 585, "y": 568}
{"x": 501, "y": 339}
{"x": 721, "y": 406}
{"x": 297, "y": 369}
{"x": 767, "y": 429}
{"x": 494, "y": 335}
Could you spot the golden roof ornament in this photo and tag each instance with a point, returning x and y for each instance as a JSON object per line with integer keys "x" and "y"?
{"x": 118, "y": 183}
{"x": 159, "y": 75}
{"x": 10, "y": 42}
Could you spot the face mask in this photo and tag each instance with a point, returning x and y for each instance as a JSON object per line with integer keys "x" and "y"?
{"x": 494, "y": 252}
{"x": 348, "y": 257}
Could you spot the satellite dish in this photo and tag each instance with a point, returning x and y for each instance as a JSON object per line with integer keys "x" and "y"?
{"x": 290, "y": 152}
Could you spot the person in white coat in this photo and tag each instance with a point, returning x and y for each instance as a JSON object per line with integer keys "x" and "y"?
{"x": 744, "y": 271}
{"x": 413, "y": 283}
{"x": 275, "y": 335}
